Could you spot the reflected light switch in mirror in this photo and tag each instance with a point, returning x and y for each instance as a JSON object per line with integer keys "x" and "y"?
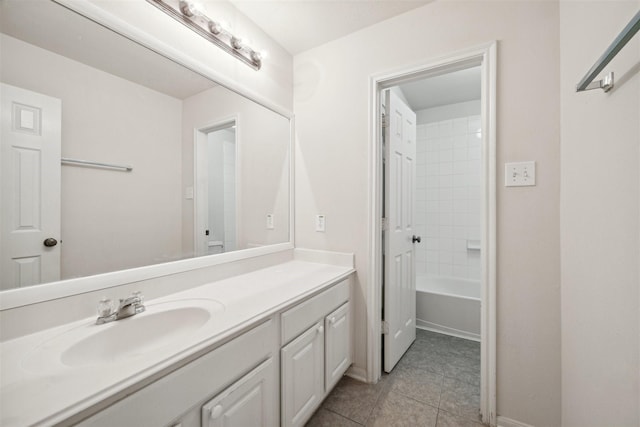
{"x": 270, "y": 225}
{"x": 188, "y": 193}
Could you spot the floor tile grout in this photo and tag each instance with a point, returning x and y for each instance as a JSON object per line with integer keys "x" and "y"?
{"x": 342, "y": 415}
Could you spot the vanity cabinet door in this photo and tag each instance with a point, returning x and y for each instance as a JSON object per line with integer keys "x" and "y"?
{"x": 302, "y": 376}
{"x": 337, "y": 345}
{"x": 248, "y": 402}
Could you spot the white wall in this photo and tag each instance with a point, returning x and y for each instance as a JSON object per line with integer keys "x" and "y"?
{"x": 111, "y": 220}
{"x": 331, "y": 104}
{"x": 600, "y": 220}
{"x": 448, "y": 193}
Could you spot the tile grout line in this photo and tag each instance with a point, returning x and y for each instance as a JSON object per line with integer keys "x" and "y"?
{"x": 342, "y": 415}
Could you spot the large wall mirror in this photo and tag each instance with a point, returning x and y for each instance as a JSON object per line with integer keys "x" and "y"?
{"x": 115, "y": 157}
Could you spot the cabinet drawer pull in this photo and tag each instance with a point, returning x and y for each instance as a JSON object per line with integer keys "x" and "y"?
{"x": 216, "y": 411}
{"x": 320, "y": 329}
{"x": 332, "y": 320}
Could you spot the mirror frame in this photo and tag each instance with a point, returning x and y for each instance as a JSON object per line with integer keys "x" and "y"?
{"x": 14, "y": 298}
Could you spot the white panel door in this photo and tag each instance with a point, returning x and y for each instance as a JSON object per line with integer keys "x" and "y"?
{"x": 337, "y": 351}
{"x": 29, "y": 188}
{"x": 248, "y": 402}
{"x": 302, "y": 376}
{"x": 399, "y": 276}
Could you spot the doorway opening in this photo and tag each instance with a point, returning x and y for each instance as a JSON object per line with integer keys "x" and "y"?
{"x": 437, "y": 210}
{"x": 215, "y": 198}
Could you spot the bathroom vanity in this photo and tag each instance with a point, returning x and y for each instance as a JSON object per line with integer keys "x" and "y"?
{"x": 261, "y": 348}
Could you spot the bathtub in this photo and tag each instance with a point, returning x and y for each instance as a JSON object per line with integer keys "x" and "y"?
{"x": 448, "y": 305}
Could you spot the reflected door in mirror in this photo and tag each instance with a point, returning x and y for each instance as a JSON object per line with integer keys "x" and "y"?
{"x": 30, "y": 188}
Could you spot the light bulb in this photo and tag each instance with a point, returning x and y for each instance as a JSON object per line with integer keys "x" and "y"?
{"x": 256, "y": 56}
{"x": 236, "y": 43}
{"x": 215, "y": 28}
{"x": 191, "y": 9}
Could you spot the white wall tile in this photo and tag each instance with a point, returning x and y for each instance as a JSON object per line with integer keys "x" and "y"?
{"x": 460, "y": 271}
{"x": 446, "y": 218}
{"x": 432, "y": 268}
{"x": 421, "y": 268}
{"x": 446, "y": 232}
{"x": 431, "y": 130}
{"x": 445, "y": 127}
{"x": 445, "y": 245}
{"x": 460, "y": 232}
{"x": 446, "y": 168}
{"x": 445, "y": 270}
{"x": 460, "y": 126}
{"x": 448, "y": 196}
{"x": 460, "y": 258}
{"x": 433, "y": 256}
{"x": 431, "y": 244}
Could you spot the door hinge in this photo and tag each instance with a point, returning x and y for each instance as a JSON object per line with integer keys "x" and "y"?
{"x": 385, "y": 327}
{"x": 384, "y": 121}
{"x": 384, "y": 224}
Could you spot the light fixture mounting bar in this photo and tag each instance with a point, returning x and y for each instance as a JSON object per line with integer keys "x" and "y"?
{"x": 201, "y": 24}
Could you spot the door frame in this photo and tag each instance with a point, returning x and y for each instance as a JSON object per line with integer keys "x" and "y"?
{"x": 484, "y": 56}
{"x": 199, "y": 154}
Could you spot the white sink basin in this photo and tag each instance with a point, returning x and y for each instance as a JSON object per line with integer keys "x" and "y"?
{"x": 157, "y": 331}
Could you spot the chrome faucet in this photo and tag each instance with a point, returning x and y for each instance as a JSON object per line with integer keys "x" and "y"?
{"x": 127, "y": 307}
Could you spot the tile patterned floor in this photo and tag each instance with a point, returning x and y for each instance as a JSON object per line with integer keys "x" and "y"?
{"x": 435, "y": 384}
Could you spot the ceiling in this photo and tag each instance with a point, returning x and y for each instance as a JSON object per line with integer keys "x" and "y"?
{"x": 59, "y": 30}
{"x": 445, "y": 89}
{"x": 299, "y": 25}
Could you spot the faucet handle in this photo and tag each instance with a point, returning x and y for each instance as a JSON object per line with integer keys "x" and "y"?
{"x": 138, "y": 294}
{"x": 105, "y": 307}
{"x": 139, "y": 306}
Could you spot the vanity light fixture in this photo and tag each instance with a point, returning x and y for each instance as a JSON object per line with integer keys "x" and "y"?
{"x": 192, "y": 16}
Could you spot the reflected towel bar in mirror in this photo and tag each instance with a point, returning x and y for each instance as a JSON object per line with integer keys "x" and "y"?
{"x": 67, "y": 161}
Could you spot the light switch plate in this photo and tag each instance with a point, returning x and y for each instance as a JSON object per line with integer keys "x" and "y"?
{"x": 520, "y": 174}
{"x": 270, "y": 224}
{"x": 188, "y": 193}
{"x": 320, "y": 223}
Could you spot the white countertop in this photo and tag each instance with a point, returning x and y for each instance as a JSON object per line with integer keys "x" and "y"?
{"x": 34, "y": 392}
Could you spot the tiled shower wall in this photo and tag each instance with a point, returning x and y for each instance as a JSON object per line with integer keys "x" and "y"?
{"x": 448, "y": 203}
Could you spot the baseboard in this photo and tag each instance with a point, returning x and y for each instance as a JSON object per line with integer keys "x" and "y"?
{"x": 508, "y": 422}
{"x": 357, "y": 373}
{"x": 434, "y": 327}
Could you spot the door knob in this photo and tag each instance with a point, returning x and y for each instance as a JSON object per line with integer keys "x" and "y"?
{"x": 50, "y": 242}
{"x": 416, "y": 239}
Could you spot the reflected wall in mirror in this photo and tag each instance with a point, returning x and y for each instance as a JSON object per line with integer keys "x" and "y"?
{"x": 74, "y": 89}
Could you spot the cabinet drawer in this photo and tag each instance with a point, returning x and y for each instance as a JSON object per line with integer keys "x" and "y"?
{"x": 302, "y": 316}
{"x": 173, "y": 395}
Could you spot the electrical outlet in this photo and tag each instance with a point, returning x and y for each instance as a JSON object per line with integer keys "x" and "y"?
{"x": 270, "y": 225}
{"x": 320, "y": 223}
{"x": 519, "y": 174}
